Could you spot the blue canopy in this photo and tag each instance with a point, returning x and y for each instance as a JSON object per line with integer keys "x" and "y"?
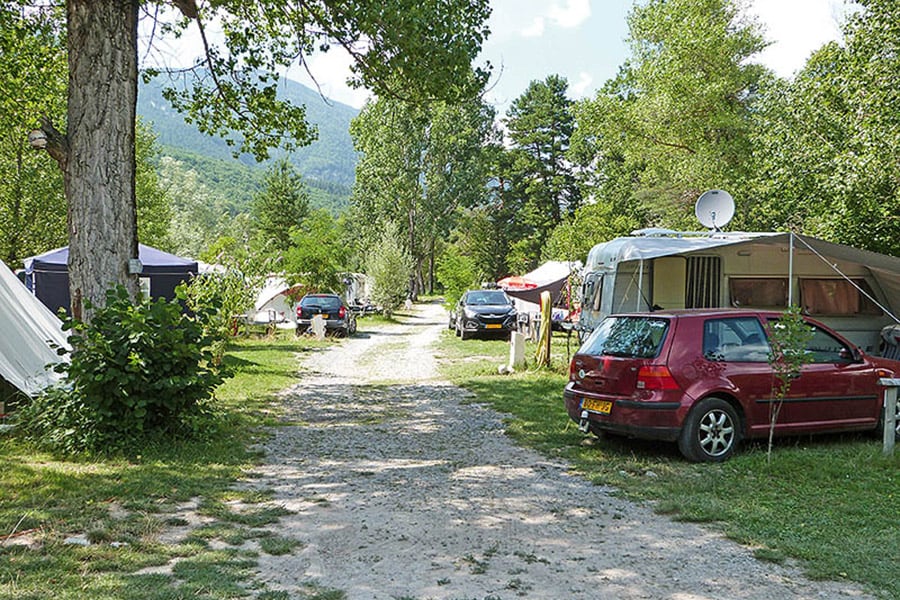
{"x": 47, "y": 274}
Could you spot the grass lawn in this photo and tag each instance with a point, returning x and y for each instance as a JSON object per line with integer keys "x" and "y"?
{"x": 827, "y": 502}
{"x": 119, "y": 505}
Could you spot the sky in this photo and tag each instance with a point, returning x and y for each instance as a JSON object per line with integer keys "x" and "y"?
{"x": 585, "y": 41}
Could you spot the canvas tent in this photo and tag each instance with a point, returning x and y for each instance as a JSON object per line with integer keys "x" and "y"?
{"x": 31, "y": 334}
{"x": 275, "y": 302}
{"x": 47, "y": 275}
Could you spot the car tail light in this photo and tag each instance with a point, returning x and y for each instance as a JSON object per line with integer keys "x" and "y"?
{"x": 299, "y": 312}
{"x": 342, "y": 312}
{"x": 656, "y": 377}
{"x": 572, "y": 370}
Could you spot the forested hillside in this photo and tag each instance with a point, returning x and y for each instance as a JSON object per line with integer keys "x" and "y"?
{"x": 327, "y": 165}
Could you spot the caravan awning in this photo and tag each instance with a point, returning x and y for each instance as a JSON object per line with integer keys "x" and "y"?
{"x": 884, "y": 269}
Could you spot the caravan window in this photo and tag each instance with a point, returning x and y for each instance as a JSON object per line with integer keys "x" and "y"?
{"x": 837, "y": 297}
{"x": 758, "y": 292}
{"x": 598, "y": 293}
{"x": 702, "y": 284}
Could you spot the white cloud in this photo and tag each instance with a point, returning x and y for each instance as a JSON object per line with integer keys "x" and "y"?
{"x": 797, "y": 29}
{"x": 330, "y": 71}
{"x": 566, "y": 15}
{"x": 580, "y": 88}
{"x": 535, "y": 29}
{"x": 570, "y": 14}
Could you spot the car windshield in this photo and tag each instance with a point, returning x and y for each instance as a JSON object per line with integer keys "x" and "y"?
{"x": 321, "y": 302}
{"x": 487, "y": 297}
{"x": 634, "y": 337}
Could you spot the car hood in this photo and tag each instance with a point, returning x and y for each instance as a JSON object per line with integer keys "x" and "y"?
{"x": 490, "y": 309}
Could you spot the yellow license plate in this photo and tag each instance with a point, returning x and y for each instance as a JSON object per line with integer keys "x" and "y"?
{"x": 493, "y": 326}
{"x": 601, "y": 406}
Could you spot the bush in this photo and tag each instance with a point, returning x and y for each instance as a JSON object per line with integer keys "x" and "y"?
{"x": 137, "y": 371}
{"x": 390, "y": 267}
{"x": 457, "y": 273}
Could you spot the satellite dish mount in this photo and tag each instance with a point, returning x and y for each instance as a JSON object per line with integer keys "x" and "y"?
{"x": 714, "y": 209}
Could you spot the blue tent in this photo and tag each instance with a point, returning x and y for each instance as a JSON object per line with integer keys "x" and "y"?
{"x": 47, "y": 275}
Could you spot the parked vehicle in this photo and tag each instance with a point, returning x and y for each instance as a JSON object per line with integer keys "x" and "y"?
{"x": 338, "y": 318}
{"x": 703, "y": 378}
{"x": 481, "y": 312}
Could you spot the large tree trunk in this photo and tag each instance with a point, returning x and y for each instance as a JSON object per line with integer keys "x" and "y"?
{"x": 99, "y": 168}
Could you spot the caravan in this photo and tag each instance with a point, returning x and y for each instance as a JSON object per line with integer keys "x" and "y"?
{"x": 855, "y": 292}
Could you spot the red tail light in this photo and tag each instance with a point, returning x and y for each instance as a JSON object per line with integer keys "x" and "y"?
{"x": 572, "y": 370}
{"x": 656, "y": 377}
{"x": 342, "y": 312}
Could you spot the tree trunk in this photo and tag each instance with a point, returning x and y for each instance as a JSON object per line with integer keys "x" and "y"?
{"x": 99, "y": 169}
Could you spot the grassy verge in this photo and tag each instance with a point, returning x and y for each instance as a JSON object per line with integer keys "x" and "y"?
{"x": 827, "y": 502}
{"x": 88, "y": 528}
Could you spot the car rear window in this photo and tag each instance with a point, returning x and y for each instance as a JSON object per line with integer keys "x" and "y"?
{"x": 634, "y": 337}
{"x": 321, "y": 302}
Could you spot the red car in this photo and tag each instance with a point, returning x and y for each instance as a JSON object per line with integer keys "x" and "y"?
{"x": 703, "y": 378}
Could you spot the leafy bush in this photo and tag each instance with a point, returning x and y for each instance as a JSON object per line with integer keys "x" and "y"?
{"x": 390, "y": 267}
{"x": 218, "y": 297}
{"x": 137, "y": 371}
{"x": 457, "y": 273}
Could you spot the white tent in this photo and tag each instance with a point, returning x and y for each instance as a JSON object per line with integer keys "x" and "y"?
{"x": 274, "y": 303}
{"x": 30, "y": 336}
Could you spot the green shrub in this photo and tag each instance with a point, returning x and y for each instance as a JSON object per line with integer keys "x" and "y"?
{"x": 136, "y": 371}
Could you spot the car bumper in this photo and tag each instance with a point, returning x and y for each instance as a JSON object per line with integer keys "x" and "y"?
{"x": 330, "y": 324}
{"x": 473, "y": 326}
{"x": 646, "y": 420}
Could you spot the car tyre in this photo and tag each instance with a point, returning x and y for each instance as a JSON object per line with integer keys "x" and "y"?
{"x": 711, "y": 432}
{"x": 464, "y": 334}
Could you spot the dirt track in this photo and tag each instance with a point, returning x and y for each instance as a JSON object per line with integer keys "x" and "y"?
{"x": 402, "y": 492}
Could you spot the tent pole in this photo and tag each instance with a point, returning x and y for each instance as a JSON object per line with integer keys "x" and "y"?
{"x": 791, "y": 270}
{"x": 640, "y": 294}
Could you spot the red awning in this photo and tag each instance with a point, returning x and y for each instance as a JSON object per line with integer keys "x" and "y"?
{"x": 516, "y": 282}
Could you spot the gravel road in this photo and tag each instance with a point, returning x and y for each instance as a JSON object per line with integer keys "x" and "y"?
{"x": 399, "y": 491}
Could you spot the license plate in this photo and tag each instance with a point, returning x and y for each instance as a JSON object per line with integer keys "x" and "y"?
{"x": 493, "y": 326}
{"x": 324, "y": 317}
{"x": 601, "y": 406}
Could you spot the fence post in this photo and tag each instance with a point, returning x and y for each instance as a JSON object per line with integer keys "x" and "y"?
{"x": 890, "y": 413}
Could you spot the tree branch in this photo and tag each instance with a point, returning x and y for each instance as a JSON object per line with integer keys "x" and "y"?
{"x": 50, "y": 139}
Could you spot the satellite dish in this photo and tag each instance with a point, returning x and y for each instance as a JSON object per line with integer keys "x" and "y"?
{"x": 714, "y": 209}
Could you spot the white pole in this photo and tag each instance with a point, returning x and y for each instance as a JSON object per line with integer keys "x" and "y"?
{"x": 791, "y": 270}
{"x": 640, "y": 294}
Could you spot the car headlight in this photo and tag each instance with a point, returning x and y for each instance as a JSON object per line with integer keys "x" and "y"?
{"x": 470, "y": 314}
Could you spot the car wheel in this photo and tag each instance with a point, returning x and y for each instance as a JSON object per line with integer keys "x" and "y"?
{"x": 352, "y": 327}
{"x": 465, "y": 334}
{"x": 457, "y": 331}
{"x": 711, "y": 431}
{"x": 451, "y": 324}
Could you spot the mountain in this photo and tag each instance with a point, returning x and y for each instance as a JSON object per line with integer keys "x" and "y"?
{"x": 327, "y": 165}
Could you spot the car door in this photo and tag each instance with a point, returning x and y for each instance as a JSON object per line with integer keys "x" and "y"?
{"x": 736, "y": 351}
{"x": 836, "y": 388}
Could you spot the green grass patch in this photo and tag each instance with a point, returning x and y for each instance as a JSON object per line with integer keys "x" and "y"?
{"x": 828, "y": 502}
{"x": 121, "y": 504}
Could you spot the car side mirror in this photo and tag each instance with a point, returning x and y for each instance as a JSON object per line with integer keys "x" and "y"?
{"x": 849, "y": 355}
